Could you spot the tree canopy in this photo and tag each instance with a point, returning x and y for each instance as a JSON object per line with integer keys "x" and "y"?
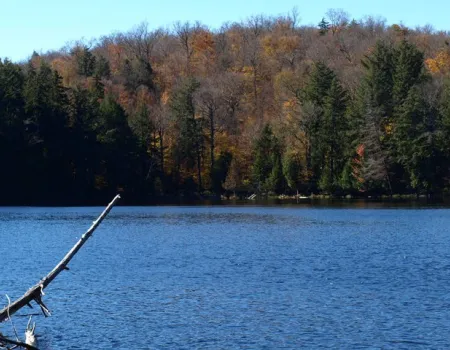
{"x": 265, "y": 105}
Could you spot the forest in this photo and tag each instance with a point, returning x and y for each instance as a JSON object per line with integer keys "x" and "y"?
{"x": 349, "y": 107}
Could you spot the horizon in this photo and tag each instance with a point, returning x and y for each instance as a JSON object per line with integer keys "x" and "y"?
{"x": 44, "y": 29}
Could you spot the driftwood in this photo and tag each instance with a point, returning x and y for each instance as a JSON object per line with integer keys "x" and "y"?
{"x": 36, "y": 292}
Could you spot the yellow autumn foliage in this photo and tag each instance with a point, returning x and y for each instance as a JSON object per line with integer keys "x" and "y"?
{"x": 439, "y": 64}
{"x": 389, "y": 128}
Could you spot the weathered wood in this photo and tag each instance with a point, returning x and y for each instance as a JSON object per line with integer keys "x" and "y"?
{"x": 36, "y": 292}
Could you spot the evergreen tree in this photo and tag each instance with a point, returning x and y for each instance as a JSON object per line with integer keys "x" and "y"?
{"x": 327, "y": 129}
{"x": 188, "y": 152}
{"x": 138, "y": 72}
{"x": 408, "y": 71}
{"x": 220, "y": 171}
{"x": 416, "y": 141}
{"x": 292, "y": 170}
{"x": 102, "y": 68}
{"x": 371, "y": 119}
{"x": 377, "y": 83}
{"x": 86, "y": 61}
{"x": 46, "y": 120}
{"x": 144, "y": 129}
{"x": 267, "y": 165}
{"x": 119, "y": 167}
{"x": 262, "y": 164}
{"x": 333, "y": 130}
{"x": 319, "y": 83}
{"x": 83, "y": 148}
{"x": 324, "y": 27}
{"x": 276, "y": 182}
{"x": 12, "y": 147}
{"x": 97, "y": 89}
{"x": 444, "y": 123}
{"x": 376, "y": 165}
{"x": 408, "y": 75}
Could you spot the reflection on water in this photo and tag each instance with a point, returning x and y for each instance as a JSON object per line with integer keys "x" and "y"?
{"x": 225, "y": 277}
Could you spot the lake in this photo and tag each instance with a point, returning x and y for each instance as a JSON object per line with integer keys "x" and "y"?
{"x": 234, "y": 277}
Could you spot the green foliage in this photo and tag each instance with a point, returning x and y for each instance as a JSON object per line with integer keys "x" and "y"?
{"x": 220, "y": 171}
{"x": 262, "y": 165}
{"x": 334, "y": 128}
{"x": 144, "y": 128}
{"x": 327, "y": 130}
{"x": 189, "y": 148}
{"x": 377, "y": 84}
{"x": 121, "y": 125}
{"x": 112, "y": 127}
{"x": 102, "y": 68}
{"x": 408, "y": 71}
{"x": 416, "y": 140}
{"x": 46, "y": 120}
{"x": 138, "y": 73}
{"x": 120, "y": 151}
{"x": 12, "y": 143}
{"x": 324, "y": 27}
{"x": 444, "y": 122}
{"x": 86, "y": 61}
{"x": 319, "y": 83}
{"x": 292, "y": 170}
{"x": 267, "y": 165}
{"x": 276, "y": 182}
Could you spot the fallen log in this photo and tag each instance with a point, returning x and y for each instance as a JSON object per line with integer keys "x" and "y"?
{"x": 36, "y": 292}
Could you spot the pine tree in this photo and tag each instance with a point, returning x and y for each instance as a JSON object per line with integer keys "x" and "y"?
{"x": 444, "y": 123}
{"x": 102, "y": 68}
{"x": 376, "y": 163}
{"x": 86, "y": 61}
{"x": 333, "y": 130}
{"x": 416, "y": 141}
{"x": 84, "y": 152}
{"x": 262, "y": 164}
{"x": 46, "y": 124}
{"x": 267, "y": 166}
{"x": 220, "y": 171}
{"x": 119, "y": 167}
{"x": 276, "y": 182}
{"x": 319, "y": 83}
{"x": 188, "y": 152}
{"x": 408, "y": 75}
{"x": 324, "y": 27}
{"x": 144, "y": 129}
{"x": 292, "y": 170}
{"x": 326, "y": 131}
{"x": 11, "y": 131}
{"x": 408, "y": 71}
{"x": 371, "y": 119}
{"x": 377, "y": 84}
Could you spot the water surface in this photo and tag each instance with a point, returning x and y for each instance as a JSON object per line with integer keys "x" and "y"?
{"x": 234, "y": 277}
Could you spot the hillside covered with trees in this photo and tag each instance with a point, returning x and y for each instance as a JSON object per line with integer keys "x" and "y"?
{"x": 268, "y": 105}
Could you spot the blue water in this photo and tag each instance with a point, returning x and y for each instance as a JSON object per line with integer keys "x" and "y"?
{"x": 234, "y": 277}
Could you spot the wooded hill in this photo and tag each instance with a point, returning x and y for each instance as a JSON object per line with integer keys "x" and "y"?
{"x": 267, "y": 105}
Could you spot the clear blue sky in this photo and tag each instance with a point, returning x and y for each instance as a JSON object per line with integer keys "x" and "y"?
{"x": 41, "y": 25}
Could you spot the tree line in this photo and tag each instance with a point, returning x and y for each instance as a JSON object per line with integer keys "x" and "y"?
{"x": 266, "y": 105}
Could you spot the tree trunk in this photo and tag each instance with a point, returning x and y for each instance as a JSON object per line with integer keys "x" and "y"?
{"x": 37, "y": 291}
{"x": 212, "y": 146}
{"x": 199, "y": 169}
{"x": 161, "y": 150}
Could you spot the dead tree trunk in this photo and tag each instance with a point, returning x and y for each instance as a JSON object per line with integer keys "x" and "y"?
{"x": 37, "y": 291}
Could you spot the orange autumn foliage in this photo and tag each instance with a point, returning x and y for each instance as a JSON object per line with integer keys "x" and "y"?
{"x": 440, "y": 63}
